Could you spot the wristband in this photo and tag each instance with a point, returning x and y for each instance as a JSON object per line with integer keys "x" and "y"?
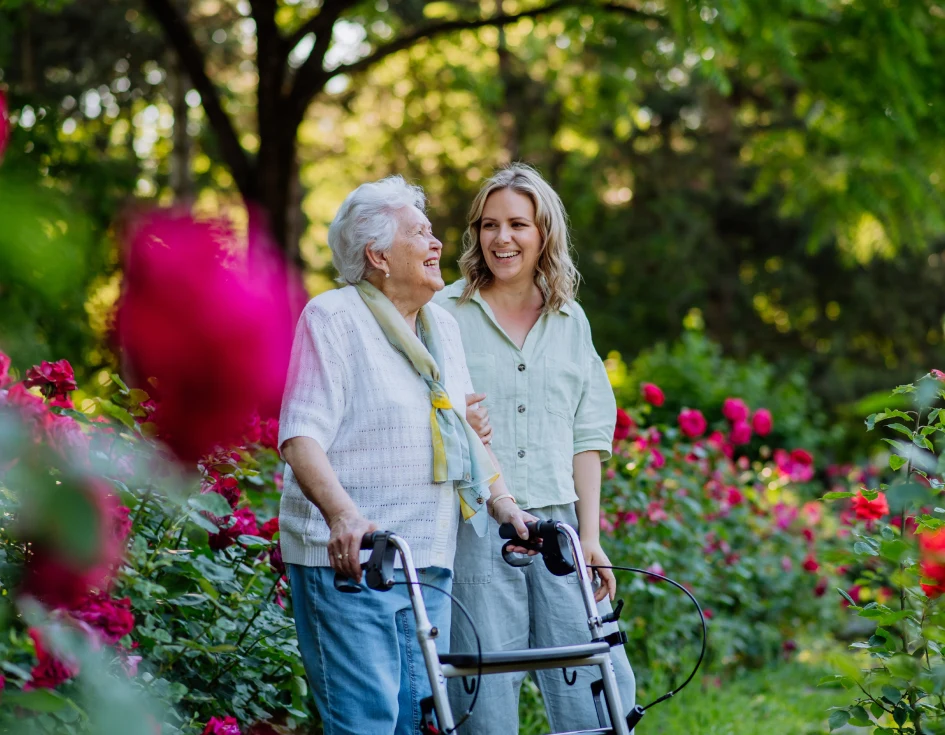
{"x": 493, "y": 501}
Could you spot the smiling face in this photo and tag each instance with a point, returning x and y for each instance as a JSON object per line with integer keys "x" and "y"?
{"x": 510, "y": 240}
{"x": 414, "y": 257}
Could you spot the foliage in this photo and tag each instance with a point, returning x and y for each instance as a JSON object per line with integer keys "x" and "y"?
{"x": 731, "y": 523}
{"x": 200, "y": 572}
{"x": 897, "y": 673}
{"x": 694, "y": 372}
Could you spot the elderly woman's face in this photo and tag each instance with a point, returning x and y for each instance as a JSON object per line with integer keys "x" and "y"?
{"x": 415, "y": 255}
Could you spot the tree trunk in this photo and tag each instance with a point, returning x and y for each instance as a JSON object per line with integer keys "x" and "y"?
{"x": 180, "y": 177}
{"x": 278, "y": 191}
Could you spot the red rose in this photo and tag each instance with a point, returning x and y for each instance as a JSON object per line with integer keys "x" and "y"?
{"x": 270, "y": 528}
{"x": 243, "y": 522}
{"x": 269, "y": 434}
{"x": 213, "y": 328}
{"x": 802, "y": 456}
{"x": 623, "y": 426}
{"x": 652, "y": 394}
{"x": 113, "y": 619}
{"x": 692, "y": 423}
{"x": 870, "y": 510}
{"x": 761, "y": 422}
{"x": 49, "y": 671}
{"x": 655, "y": 568}
{"x": 735, "y": 410}
{"x": 56, "y": 379}
{"x": 741, "y": 433}
{"x": 821, "y": 587}
{"x": 275, "y": 560}
{"x": 5, "y": 127}
{"x": 227, "y": 487}
{"x": 809, "y": 535}
{"x": 735, "y": 496}
{"x": 810, "y": 564}
{"x": 227, "y": 726}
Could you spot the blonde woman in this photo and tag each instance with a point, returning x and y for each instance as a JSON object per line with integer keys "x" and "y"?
{"x": 548, "y": 410}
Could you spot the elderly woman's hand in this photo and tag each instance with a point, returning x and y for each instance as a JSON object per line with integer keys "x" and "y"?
{"x": 478, "y": 417}
{"x": 506, "y": 511}
{"x": 344, "y": 544}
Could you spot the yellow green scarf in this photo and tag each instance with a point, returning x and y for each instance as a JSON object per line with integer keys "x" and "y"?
{"x": 458, "y": 453}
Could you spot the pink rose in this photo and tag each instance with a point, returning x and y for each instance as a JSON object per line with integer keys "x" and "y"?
{"x": 657, "y": 458}
{"x": 243, "y": 523}
{"x": 226, "y": 726}
{"x": 735, "y": 410}
{"x": 761, "y": 422}
{"x": 810, "y": 564}
{"x": 5, "y": 363}
{"x": 741, "y": 433}
{"x": 735, "y": 496}
{"x": 270, "y": 528}
{"x": 692, "y": 423}
{"x": 938, "y": 375}
{"x": 652, "y": 394}
{"x": 5, "y": 127}
{"x": 56, "y": 379}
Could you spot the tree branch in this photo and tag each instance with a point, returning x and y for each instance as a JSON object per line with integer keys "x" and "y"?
{"x": 192, "y": 59}
{"x": 324, "y": 20}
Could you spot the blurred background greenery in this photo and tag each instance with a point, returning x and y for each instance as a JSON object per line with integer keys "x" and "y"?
{"x": 768, "y": 175}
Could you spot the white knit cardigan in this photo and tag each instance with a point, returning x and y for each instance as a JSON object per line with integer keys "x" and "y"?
{"x": 362, "y": 401}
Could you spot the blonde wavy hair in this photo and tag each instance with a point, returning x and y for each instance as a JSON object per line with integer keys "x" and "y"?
{"x": 556, "y": 275}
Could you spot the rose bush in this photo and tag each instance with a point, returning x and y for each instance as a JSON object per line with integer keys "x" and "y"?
{"x": 728, "y": 520}
{"x": 170, "y": 575}
{"x": 894, "y": 564}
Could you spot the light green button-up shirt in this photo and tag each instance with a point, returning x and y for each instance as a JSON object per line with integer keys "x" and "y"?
{"x": 547, "y": 401}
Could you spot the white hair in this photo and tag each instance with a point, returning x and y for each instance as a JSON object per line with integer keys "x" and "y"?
{"x": 367, "y": 217}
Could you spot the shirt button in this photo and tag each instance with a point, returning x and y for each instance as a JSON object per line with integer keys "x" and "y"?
{"x": 521, "y": 409}
{"x": 479, "y": 500}
{"x": 521, "y": 367}
{"x": 521, "y": 453}
{"x": 467, "y": 477}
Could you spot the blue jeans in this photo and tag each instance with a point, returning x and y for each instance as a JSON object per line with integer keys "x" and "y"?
{"x": 360, "y": 651}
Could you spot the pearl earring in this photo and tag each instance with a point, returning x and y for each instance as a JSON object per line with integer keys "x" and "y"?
{"x": 387, "y": 274}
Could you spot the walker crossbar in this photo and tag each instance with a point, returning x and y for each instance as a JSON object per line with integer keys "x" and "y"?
{"x": 561, "y": 548}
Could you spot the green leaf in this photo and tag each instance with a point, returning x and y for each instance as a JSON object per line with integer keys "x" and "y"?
{"x": 872, "y": 419}
{"x": 846, "y": 596}
{"x": 896, "y": 462}
{"x": 205, "y": 523}
{"x": 922, "y": 441}
{"x": 877, "y": 710}
{"x": 253, "y": 542}
{"x": 212, "y": 503}
{"x": 862, "y": 548}
{"x": 894, "y": 550}
{"x": 837, "y": 495}
{"x": 901, "y": 429}
{"x": 907, "y": 388}
{"x": 859, "y": 717}
{"x": 38, "y": 700}
{"x": 891, "y": 694}
{"x": 117, "y": 412}
{"x": 838, "y": 718}
{"x": 119, "y": 382}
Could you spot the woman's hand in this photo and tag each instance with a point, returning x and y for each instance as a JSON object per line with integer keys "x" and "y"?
{"x": 506, "y": 511}
{"x": 594, "y": 555}
{"x": 478, "y": 418}
{"x": 344, "y": 543}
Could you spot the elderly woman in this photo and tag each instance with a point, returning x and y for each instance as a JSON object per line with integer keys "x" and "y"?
{"x": 374, "y": 434}
{"x": 529, "y": 349}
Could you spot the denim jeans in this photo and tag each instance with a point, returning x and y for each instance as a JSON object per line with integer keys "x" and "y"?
{"x": 360, "y": 651}
{"x": 525, "y": 607}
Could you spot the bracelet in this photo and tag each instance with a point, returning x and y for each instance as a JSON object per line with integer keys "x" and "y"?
{"x": 503, "y": 496}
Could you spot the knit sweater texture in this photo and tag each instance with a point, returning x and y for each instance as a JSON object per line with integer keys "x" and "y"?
{"x": 366, "y": 406}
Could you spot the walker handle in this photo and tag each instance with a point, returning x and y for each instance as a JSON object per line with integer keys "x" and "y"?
{"x": 379, "y": 568}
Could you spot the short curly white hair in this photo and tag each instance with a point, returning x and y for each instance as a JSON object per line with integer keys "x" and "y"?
{"x": 368, "y": 216}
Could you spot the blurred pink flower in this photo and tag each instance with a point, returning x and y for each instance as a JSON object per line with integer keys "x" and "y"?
{"x": 810, "y": 564}
{"x": 243, "y": 523}
{"x": 784, "y": 515}
{"x": 623, "y": 426}
{"x": 652, "y": 394}
{"x": 657, "y": 458}
{"x": 55, "y": 379}
{"x": 741, "y": 433}
{"x": 735, "y": 496}
{"x": 798, "y": 464}
{"x": 938, "y": 375}
{"x": 761, "y": 422}
{"x": 214, "y": 330}
{"x": 49, "y": 671}
{"x": 5, "y": 127}
{"x": 786, "y": 564}
{"x": 655, "y": 568}
{"x": 692, "y": 423}
{"x": 270, "y": 528}
{"x": 735, "y": 410}
{"x": 655, "y": 512}
{"x": 5, "y": 363}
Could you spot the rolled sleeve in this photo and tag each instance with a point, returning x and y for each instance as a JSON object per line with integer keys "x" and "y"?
{"x": 596, "y": 415}
{"x": 314, "y": 400}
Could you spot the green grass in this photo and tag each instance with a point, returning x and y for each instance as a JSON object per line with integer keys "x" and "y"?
{"x": 775, "y": 701}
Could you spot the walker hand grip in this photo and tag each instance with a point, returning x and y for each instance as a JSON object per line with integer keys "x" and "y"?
{"x": 379, "y": 568}
{"x": 507, "y": 531}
